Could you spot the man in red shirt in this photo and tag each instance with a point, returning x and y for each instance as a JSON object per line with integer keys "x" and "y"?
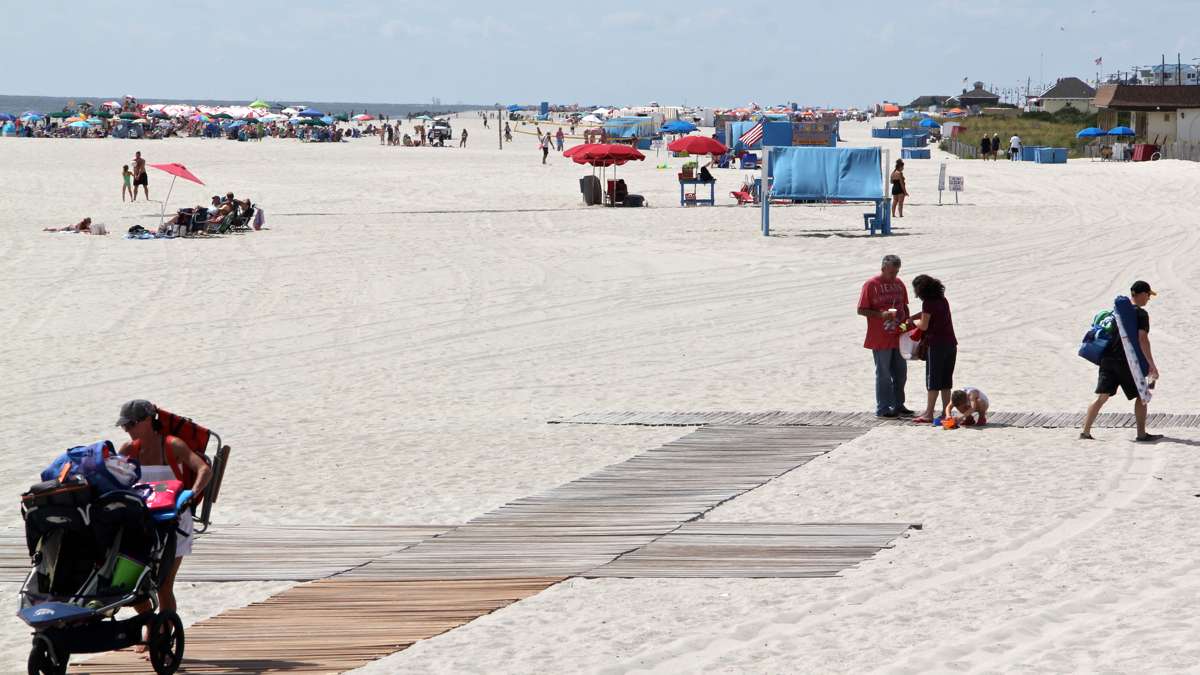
{"x": 884, "y": 301}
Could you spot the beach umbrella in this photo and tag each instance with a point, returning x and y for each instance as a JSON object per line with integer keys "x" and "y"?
{"x": 929, "y": 123}
{"x": 342, "y": 117}
{"x": 698, "y": 145}
{"x": 514, "y": 108}
{"x": 1090, "y": 132}
{"x": 223, "y": 116}
{"x": 111, "y": 104}
{"x": 311, "y": 112}
{"x": 678, "y": 127}
{"x": 140, "y": 121}
{"x": 327, "y": 119}
{"x": 61, "y": 115}
{"x": 607, "y": 154}
{"x": 236, "y": 124}
{"x": 260, "y": 104}
{"x": 102, "y": 114}
{"x": 128, "y": 116}
{"x": 424, "y": 118}
{"x": 80, "y": 125}
{"x": 363, "y": 117}
{"x": 158, "y": 114}
{"x": 1121, "y": 131}
{"x": 177, "y": 171}
{"x": 6, "y": 117}
{"x": 31, "y": 117}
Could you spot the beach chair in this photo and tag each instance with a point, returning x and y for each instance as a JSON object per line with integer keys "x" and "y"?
{"x": 241, "y": 221}
{"x": 749, "y": 161}
{"x": 208, "y": 445}
{"x": 224, "y": 226}
{"x": 743, "y": 196}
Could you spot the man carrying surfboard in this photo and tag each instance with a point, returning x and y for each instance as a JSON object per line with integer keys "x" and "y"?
{"x": 1128, "y": 362}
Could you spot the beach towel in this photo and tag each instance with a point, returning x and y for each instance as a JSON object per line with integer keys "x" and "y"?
{"x": 1139, "y": 366}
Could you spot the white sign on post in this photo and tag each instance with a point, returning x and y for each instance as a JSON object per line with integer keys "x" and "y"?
{"x": 956, "y": 186}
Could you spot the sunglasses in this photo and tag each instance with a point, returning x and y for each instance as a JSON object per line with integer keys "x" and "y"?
{"x": 129, "y": 425}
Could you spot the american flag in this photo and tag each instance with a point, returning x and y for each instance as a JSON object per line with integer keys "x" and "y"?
{"x": 1100, "y": 60}
{"x": 752, "y": 136}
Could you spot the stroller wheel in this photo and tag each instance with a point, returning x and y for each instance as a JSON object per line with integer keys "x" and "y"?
{"x": 166, "y": 643}
{"x": 40, "y": 662}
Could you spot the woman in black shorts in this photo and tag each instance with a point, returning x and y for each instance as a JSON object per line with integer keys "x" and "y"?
{"x": 937, "y": 325}
{"x": 899, "y": 189}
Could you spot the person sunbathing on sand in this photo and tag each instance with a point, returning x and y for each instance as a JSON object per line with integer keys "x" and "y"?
{"x": 971, "y": 403}
{"x": 84, "y": 226}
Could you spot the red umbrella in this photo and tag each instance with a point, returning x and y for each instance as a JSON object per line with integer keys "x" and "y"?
{"x": 697, "y": 145}
{"x": 177, "y": 171}
{"x": 570, "y": 152}
{"x": 605, "y": 154}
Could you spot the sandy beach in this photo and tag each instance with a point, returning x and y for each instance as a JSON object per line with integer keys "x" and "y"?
{"x": 390, "y": 348}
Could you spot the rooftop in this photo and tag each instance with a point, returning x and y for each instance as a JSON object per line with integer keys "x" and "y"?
{"x": 1070, "y": 87}
{"x": 1147, "y": 97}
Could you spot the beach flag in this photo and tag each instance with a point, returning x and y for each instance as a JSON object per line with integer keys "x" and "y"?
{"x": 1100, "y": 60}
{"x": 752, "y": 136}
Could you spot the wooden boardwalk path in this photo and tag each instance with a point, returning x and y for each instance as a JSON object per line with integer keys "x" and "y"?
{"x": 637, "y": 518}
{"x": 828, "y": 418}
{"x": 262, "y": 553}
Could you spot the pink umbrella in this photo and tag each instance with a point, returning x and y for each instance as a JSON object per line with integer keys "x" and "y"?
{"x": 177, "y": 171}
{"x": 363, "y": 117}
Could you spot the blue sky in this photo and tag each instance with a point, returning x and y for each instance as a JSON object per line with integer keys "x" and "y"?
{"x": 618, "y": 51}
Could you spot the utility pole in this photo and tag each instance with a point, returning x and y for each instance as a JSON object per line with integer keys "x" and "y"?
{"x": 499, "y": 129}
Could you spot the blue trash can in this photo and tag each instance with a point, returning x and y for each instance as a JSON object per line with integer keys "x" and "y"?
{"x": 1060, "y": 155}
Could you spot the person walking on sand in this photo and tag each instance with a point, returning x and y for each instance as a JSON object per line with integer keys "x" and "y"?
{"x": 884, "y": 302}
{"x": 1014, "y": 148}
{"x": 139, "y": 176}
{"x": 558, "y": 138}
{"x": 985, "y": 147}
{"x": 545, "y": 146}
{"x": 899, "y": 189}
{"x": 1115, "y": 372}
{"x": 995, "y": 146}
{"x": 127, "y": 182}
{"x": 462, "y": 138}
{"x": 937, "y": 325}
{"x": 507, "y": 133}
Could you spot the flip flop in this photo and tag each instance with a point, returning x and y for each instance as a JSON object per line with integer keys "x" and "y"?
{"x": 922, "y": 420}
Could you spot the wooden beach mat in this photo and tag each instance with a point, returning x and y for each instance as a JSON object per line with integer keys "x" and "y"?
{"x": 830, "y": 418}
{"x": 754, "y": 550}
{"x": 263, "y": 553}
{"x": 329, "y": 626}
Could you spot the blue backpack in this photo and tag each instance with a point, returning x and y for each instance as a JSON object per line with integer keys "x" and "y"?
{"x": 88, "y": 461}
{"x": 1099, "y": 336}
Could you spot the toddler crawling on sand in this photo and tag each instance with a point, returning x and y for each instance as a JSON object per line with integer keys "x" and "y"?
{"x": 972, "y": 405}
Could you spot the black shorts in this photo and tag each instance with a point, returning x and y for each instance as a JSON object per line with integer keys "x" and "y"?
{"x": 1114, "y": 372}
{"x": 143, "y": 179}
{"x": 939, "y": 367}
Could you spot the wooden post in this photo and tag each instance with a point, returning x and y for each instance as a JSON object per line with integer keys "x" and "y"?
{"x": 499, "y": 128}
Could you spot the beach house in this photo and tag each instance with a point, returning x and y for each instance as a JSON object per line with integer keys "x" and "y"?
{"x": 976, "y": 98}
{"x": 1159, "y": 114}
{"x": 927, "y": 103}
{"x": 1068, "y": 92}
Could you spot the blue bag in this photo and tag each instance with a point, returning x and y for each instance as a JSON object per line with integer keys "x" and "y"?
{"x": 88, "y": 461}
{"x": 1098, "y": 338}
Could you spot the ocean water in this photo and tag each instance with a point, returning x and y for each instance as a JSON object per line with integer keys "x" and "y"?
{"x": 19, "y": 104}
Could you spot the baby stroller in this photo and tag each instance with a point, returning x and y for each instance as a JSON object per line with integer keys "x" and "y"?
{"x": 91, "y": 558}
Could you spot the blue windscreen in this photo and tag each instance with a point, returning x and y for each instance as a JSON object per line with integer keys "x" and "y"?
{"x": 826, "y": 173}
